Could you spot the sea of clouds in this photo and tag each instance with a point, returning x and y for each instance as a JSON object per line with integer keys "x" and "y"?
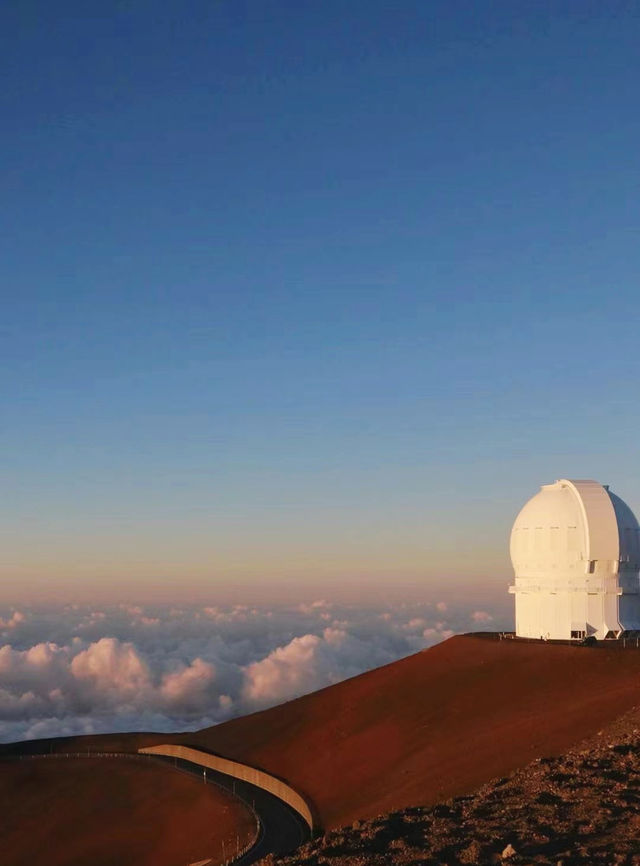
{"x": 77, "y": 670}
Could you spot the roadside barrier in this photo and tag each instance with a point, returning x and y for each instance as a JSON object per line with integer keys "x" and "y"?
{"x": 256, "y": 777}
{"x": 229, "y": 854}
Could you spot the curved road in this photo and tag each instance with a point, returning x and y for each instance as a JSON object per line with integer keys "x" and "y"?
{"x": 282, "y": 829}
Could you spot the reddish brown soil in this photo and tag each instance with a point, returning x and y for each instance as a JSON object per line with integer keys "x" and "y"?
{"x": 434, "y": 725}
{"x": 103, "y": 812}
{"x": 582, "y": 809}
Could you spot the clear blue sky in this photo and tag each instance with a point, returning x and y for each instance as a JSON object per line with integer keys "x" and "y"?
{"x": 310, "y": 290}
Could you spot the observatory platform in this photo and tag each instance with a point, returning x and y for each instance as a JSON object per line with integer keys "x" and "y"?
{"x": 575, "y": 549}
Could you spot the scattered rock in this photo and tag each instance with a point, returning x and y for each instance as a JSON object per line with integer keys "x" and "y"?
{"x": 470, "y": 854}
{"x": 582, "y": 809}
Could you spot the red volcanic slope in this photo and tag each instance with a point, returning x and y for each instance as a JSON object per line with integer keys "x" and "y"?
{"x": 74, "y": 812}
{"x": 433, "y": 725}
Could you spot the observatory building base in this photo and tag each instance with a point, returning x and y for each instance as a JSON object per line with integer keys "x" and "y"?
{"x": 575, "y": 548}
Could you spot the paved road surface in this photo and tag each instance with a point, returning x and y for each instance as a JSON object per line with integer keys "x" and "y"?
{"x": 281, "y": 828}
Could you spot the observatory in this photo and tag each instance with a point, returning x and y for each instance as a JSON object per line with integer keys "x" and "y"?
{"x": 575, "y": 549}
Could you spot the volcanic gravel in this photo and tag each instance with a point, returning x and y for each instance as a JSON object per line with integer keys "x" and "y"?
{"x": 582, "y": 808}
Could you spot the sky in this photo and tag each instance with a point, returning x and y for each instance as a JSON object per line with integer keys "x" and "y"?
{"x": 304, "y": 300}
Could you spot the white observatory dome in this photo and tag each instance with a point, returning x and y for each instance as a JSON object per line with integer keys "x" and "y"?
{"x": 575, "y": 549}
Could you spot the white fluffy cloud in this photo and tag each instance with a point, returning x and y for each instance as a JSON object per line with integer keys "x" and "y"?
{"x": 112, "y": 672}
{"x": 78, "y": 670}
{"x": 481, "y": 617}
{"x": 13, "y": 620}
{"x": 285, "y": 672}
{"x": 189, "y": 687}
{"x": 310, "y": 662}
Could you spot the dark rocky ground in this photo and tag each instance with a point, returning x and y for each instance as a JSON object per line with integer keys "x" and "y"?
{"x": 582, "y": 808}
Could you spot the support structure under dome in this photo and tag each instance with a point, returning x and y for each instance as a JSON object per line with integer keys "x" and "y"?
{"x": 575, "y": 549}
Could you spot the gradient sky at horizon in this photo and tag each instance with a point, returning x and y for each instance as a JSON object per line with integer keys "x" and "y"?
{"x": 307, "y": 298}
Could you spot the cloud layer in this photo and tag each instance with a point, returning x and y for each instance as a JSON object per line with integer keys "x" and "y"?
{"x": 76, "y": 670}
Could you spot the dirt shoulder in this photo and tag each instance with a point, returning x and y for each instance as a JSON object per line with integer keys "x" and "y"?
{"x": 76, "y": 811}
